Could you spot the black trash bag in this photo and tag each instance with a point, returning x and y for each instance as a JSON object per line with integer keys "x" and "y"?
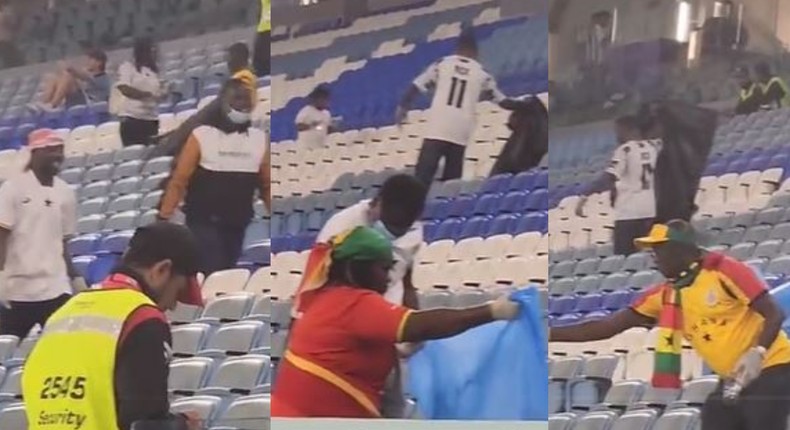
{"x": 529, "y": 140}
{"x": 687, "y": 132}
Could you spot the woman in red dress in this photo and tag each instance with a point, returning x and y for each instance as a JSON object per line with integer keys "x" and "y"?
{"x": 344, "y": 345}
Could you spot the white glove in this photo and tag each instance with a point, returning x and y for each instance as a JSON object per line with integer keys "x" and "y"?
{"x": 407, "y": 349}
{"x": 749, "y": 366}
{"x": 78, "y": 284}
{"x": 504, "y": 309}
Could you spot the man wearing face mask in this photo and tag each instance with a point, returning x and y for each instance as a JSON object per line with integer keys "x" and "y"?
{"x": 219, "y": 170}
{"x": 37, "y": 218}
{"x": 103, "y": 359}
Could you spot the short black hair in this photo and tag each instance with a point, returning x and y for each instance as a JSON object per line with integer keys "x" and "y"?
{"x": 403, "y": 193}
{"x": 762, "y": 68}
{"x": 161, "y": 241}
{"x": 629, "y": 121}
{"x": 319, "y": 92}
{"x": 467, "y": 40}
{"x": 239, "y": 52}
{"x": 98, "y": 55}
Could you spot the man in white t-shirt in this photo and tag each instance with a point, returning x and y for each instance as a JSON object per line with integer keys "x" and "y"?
{"x": 458, "y": 82}
{"x": 314, "y": 122}
{"x": 630, "y": 178}
{"x": 37, "y": 217}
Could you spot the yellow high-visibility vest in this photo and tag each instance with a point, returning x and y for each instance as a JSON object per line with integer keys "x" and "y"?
{"x": 266, "y": 16}
{"x": 785, "y": 102}
{"x": 68, "y": 381}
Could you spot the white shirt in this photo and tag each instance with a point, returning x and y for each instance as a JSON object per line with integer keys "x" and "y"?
{"x": 319, "y": 122}
{"x": 633, "y": 165}
{"x": 144, "y": 79}
{"x": 39, "y": 219}
{"x": 459, "y": 83}
{"x": 404, "y": 248}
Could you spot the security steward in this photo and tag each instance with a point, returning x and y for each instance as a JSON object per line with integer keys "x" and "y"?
{"x": 102, "y": 362}
{"x": 750, "y": 95}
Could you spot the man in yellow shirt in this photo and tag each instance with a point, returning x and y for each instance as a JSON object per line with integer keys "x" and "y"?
{"x": 263, "y": 40}
{"x": 724, "y": 311}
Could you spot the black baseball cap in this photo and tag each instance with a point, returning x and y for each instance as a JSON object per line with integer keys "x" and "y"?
{"x": 168, "y": 241}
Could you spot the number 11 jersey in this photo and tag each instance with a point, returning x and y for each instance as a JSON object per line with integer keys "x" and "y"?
{"x": 633, "y": 165}
{"x": 458, "y": 84}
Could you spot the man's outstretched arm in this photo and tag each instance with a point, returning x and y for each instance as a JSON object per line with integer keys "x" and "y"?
{"x": 600, "y": 329}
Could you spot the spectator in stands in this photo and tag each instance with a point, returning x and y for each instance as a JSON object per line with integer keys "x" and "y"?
{"x": 219, "y": 169}
{"x": 239, "y": 68}
{"x": 72, "y": 85}
{"x": 38, "y": 215}
{"x": 528, "y": 142}
{"x": 724, "y": 310}
{"x": 458, "y": 82}
{"x": 343, "y": 348}
{"x": 138, "y": 82}
{"x": 631, "y": 183}
{"x": 775, "y": 92}
{"x": 750, "y": 94}
{"x": 113, "y": 345}
{"x": 314, "y": 122}
{"x": 263, "y": 40}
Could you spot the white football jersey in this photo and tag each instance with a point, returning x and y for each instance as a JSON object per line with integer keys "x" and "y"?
{"x": 634, "y": 166}
{"x": 458, "y": 84}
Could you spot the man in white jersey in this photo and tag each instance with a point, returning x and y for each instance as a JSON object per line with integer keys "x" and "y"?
{"x": 38, "y": 214}
{"x": 458, "y": 82}
{"x": 630, "y": 178}
{"x": 314, "y": 121}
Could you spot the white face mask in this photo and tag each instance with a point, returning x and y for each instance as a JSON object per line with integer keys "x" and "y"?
{"x": 238, "y": 117}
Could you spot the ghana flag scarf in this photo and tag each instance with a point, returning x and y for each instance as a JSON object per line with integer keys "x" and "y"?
{"x": 669, "y": 348}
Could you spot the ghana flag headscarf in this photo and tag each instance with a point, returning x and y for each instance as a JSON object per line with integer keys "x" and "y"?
{"x": 359, "y": 244}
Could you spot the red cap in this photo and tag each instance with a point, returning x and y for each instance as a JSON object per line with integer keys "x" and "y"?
{"x": 193, "y": 294}
{"x": 43, "y": 138}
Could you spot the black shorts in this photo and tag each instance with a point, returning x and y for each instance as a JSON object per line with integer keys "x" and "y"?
{"x": 626, "y": 231}
{"x": 22, "y": 316}
{"x": 762, "y": 405}
{"x": 138, "y": 131}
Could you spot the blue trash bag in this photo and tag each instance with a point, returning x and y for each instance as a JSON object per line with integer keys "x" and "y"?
{"x": 498, "y": 371}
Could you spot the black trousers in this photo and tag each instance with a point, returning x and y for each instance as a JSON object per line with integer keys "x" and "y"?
{"x": 432, "y": 152}
{"x": 626, "y": 231}
{"x": 220, "y": 244}
{"x": 262, "y": 56}
{"x": 22, "y": 316}
{"x": 763, "y": 405}
{"x": 138, "y": 131}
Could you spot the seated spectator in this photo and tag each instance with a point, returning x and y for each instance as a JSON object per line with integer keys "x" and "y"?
{"x": 77, "y": 85}
{"x": 775, "y": 92}
{"x": 750, "y": 95}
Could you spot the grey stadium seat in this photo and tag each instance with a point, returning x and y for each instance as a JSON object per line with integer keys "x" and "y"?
{"x": 238, "y": 375}
{"x": 93, "y": 206}
{"x": 90, "y": 224}
{"x": 743, "y": 219}
{"x": 251, "y": 412}
{"x": 434, "y": 299}
{"x": 615, "y": 281}
{"x": 636, "y": 420}
{"x": 129, "y": 153}
{"x": 188, "y": 375}
{"x": 680, "y": 419}
{"x": 563, "y": 269}
{"x": 12, "y": 386}
{"x": 189, "y": 339}
{"x": 656, "y": 398}
{"x": 96, "y": 189}
{"x": 767, "y": 249}
{"x": 779, "y": 266}
{"x": 623, "y": 394}
{"x": 99, "y": 159}
{"x": 593, "y": 385}
{"x": 153, "y": 182}
{"x": 586, "y": 267}
{"x": 561, "y": 287}
{"x": 157, "y": 165}
{"x": 98, "y": 173}
{"x": 562, "y": 421}
{"x": 599, "y": 420}
{"x": 127, "y": 169}
{"x": 644, "y": 279}
{"x": 125, "y": 186}
{"x": 8, "y": 344}
{"x": 695, "y": 392}
{"x": 588, "y": 284}
{"x": 781, "y": 231}
{"x": 730, "y": 236}
{"x": 13, "y": 417}
{"x": 73, "y": 175}
{"x": 635, "y": 262}
{"x": 468, "y": 297}
{"x": 770, "y": 216}
{"x": 122, "y": 221}
{"x": 234, "y": 338}
{"x": 124, "y": 203}
{"x": 228, "y": 308}
{"x": 741, "y": 251}
{"x": 611, "y": 264}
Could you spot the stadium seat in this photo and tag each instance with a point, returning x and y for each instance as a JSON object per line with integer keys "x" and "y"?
{"x": 247, "y": 412}
{"x": 188, "y": 375}
{"x": 238, "y": 375}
